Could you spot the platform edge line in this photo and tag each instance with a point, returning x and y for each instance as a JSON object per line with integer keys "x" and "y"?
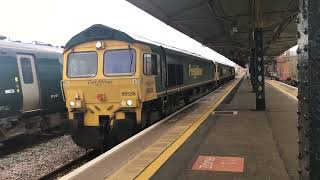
{"x": 282, "y": 90}
{"x": 279, "y": 82}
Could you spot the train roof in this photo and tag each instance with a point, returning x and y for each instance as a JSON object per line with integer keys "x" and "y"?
{"x": 5, "y": 44}
{"x": 98, "y": 32}
{"x": 101, "y": 32}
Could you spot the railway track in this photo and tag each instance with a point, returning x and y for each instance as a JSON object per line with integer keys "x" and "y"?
{"x": 71, "y": 165}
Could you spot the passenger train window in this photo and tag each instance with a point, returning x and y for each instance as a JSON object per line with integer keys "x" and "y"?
{"x": 150, "y": 64}
{"x": 26, "y": 69}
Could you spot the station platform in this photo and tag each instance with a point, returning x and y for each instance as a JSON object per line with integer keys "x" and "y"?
{"x": 243, "y": 145}
{"x": 221, "y": 136}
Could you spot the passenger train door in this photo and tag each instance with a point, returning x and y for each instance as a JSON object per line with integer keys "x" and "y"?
{"x": 29, "y": 83}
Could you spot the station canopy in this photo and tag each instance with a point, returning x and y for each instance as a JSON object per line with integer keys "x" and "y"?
{"x": 227, "y": 26}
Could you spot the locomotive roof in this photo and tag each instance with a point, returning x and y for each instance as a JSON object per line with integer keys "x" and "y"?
{"x": 101, "y": 32}
{"x": 98, "y": 32}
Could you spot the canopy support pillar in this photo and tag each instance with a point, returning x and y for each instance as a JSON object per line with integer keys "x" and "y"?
{"x": 309, "y": 89}
{"x": 259, "y": 70}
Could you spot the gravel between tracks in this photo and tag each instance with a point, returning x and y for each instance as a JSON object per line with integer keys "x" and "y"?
{"x": 33, "y": 162}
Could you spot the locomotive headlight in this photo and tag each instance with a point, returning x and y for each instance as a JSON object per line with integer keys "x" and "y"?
{"x": 78, "y": 103}
{"x": 126, "y": 103}
{"x": 129, "y": 102}
{"x": 99, "y": 45}
{"x": 123, "y": 103}
{"x": 72, "y": 103}
{"x": 75, "y": 104}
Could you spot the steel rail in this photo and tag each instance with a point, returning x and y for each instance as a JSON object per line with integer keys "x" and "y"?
{"x": 72, "y": 164}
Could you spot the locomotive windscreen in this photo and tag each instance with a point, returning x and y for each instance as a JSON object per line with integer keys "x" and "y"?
{"x": 119, "y": 62}
{"x": 82, "y": 64}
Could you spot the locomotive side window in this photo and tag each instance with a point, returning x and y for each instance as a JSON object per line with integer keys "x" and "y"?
{"x": 221, "y": 71}
{"x": 224, "y": 71}
{"x": 150, "y": 64}
{"x": 119, "y": 62}
{"x": 82, "y": 64}
{"x": 179, "y": 74}
{"x": 172, "y": 79}
{"x": 26, "y": 70}
{"x": 213, "y": 70}
{"x": 175, "y": 75}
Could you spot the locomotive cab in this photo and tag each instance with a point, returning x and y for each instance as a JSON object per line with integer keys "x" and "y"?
{"x": 103, "y": 83}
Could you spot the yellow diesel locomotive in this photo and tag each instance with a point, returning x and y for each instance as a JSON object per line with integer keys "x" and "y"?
{"x": 114, "y": 84}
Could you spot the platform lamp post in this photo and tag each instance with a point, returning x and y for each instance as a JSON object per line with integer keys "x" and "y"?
{"x": 309, "y": 89}
{"x": 259, "y": 70}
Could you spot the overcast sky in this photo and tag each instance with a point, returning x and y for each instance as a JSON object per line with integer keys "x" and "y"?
{"x": 56, "y": 21}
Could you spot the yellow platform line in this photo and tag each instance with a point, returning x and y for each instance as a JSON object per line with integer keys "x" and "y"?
{"x": 156, "y": 164}
{"x": 282, "y": 90}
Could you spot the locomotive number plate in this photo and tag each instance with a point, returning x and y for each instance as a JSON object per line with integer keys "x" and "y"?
{"x": 128, "y": 93}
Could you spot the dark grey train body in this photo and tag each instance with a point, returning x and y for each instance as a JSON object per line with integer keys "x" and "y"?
{"x": 30, "y": 93}
{"x": 185, "y": 69}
